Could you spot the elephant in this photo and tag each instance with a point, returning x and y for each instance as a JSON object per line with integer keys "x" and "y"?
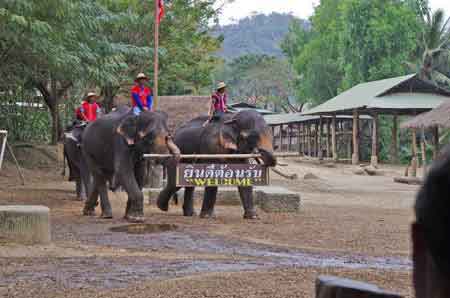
{"x": 113, "y": 147}
{"x": 78, "y": 171}
{"x": 244, "y": 132}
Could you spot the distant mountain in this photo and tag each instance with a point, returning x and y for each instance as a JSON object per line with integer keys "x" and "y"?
{"x": 258, "y": 34}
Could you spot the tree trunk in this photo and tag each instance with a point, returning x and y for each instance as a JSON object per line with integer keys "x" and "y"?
{"x": 109, "y": 93}
{"x": 51, "y": 94}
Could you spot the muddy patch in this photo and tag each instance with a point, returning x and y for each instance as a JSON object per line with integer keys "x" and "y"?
{"x": 144, "y": 228}
{"x": 185, "y": 241}
{"x": 118, "y": 272}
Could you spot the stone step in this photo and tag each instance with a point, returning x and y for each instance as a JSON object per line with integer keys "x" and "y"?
{"x": 269, "y": 198}
{"x": 25, "y": 224}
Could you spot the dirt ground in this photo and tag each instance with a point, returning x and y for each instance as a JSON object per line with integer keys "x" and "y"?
{"x": 349, "y": 225}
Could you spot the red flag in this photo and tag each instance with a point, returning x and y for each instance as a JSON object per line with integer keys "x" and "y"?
{"x": 161, "y": 10}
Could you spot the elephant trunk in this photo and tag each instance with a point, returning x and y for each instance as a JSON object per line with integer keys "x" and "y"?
{"x": 174, "y": 150}
{"x": 265, "y": 148}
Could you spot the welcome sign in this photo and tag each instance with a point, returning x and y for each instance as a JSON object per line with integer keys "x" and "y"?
{"x": 205, "y": 175}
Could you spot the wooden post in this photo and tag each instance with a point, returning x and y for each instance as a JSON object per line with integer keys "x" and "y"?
{"x": 347, "y": 137}
{"x": 281, "y": 138}
{"x": 328, "y": 135}
{"x": 374, "y": 157}
{"x": 299, "y": 140}
{"x": 319, "y": 139}
{"x": 308, "y": 136}
{"x": 414, "y": 154}
{"x": 289, "y": 131}
{"x": 333, "y": 138}
{"x": 355, "y": 155}
{"x": 436, "y": 142}
{"x": 394, "y": 144}
{"x": 423, "y": 151}
{"x": 273, "y": 138}
{"x": 156, "y": 58}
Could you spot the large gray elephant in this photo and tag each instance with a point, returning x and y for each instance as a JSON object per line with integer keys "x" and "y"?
{"x": 113, "y": 147}
{"x": 244, "y": 132}
{"x": 78, "y": 171}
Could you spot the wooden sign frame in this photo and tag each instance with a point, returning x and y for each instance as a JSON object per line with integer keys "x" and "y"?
{"x": 228, "y": 175}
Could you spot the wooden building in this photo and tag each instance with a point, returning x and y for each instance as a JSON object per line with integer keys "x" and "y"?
{"x": 405, "y": 95}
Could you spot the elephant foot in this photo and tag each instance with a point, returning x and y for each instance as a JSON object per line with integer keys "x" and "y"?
{"x": 209, "y": 214}
{"x": 163, "y": 206}
{"x": 88, "y": 212}
{"x": 106, "y": 215}
{"x": 251, "y": 215}
{"x": 189, "y": 213}
{"x": 134, "y": 218}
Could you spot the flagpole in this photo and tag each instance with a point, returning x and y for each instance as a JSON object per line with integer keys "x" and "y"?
{"x": 156, "y": 60}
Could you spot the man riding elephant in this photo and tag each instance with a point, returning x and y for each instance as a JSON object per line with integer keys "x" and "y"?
{"x": 244, "y": 132}
{"x": 114, "y": 146}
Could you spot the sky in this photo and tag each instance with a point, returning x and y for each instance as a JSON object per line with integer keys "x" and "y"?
{"x": 301, "y": 8}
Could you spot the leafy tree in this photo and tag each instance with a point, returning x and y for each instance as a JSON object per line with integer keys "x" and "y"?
{"x": 433, "y": 52}
{"x": 268, "y": 80}
{"x": 63, "y": 46}
{"x": 351, "y": 41}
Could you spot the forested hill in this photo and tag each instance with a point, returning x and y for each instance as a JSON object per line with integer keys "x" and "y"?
{"x": 258, "y": 34}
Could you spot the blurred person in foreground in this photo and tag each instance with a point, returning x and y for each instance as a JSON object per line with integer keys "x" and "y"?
{"x": 431, "y": 232}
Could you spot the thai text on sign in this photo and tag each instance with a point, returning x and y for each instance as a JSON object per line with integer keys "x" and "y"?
{"x": 204, "y": 175}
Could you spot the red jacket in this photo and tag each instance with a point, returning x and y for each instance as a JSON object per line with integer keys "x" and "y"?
{"x": 88, "y": 111}
{"x": 141, "y": 97}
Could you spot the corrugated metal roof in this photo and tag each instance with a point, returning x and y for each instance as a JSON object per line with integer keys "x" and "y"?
{"x": 376, "y": 95}
{"x": 419, "y": 101}
{"x": 261, "y": 111}
{"x": 290, "y": 118}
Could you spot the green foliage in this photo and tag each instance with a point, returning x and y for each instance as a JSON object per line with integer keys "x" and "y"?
{"x": 351, "y": 41}
{"x": 61, "y": 46}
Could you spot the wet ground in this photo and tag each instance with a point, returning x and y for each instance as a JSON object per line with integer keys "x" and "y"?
{"x": 359, "y": 234}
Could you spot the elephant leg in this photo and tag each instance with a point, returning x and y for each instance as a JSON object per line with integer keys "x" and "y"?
{"x": 170, "y": 189}
{"x": 246, "y": 194}
{"x": 188, "y": 203}
{"x": 209, "y": 201}
{"x": 134, "y": 211}
{"x": 140, "y": 173}
{"x": 81, "y": 190}
{"x": 104, "y": 200}
{"x": 91, "y": 202}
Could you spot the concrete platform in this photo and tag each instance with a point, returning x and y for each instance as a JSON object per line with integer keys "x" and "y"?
{"x": 268, "y": 198}
{"x": 25, "y": 224}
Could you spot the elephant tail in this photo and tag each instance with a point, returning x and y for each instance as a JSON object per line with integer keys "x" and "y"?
{"x": 63, "y": 173}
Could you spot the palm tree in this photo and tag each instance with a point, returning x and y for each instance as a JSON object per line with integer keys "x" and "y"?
{"x": 434, "y": 48}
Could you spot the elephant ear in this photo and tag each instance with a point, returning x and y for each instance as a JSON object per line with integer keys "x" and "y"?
{"x": 127, "y": 129}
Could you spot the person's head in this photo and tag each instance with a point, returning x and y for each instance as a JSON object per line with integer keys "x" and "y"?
{"x": 141, "y": 79}
{"x": 91, "y": 97}
{"x": 431, "y": 232}
{"x": 221, "y": 87}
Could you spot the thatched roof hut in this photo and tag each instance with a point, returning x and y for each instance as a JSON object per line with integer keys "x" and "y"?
{"x": 438, "y": 117}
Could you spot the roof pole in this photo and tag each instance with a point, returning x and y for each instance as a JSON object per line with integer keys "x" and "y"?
{"x": 394, "y": 144}
{"x": 374, "y": 158}
{"x": 333, "y": 138}
{"x": 155, "y": 56}
{"x": 355, "y": 156}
